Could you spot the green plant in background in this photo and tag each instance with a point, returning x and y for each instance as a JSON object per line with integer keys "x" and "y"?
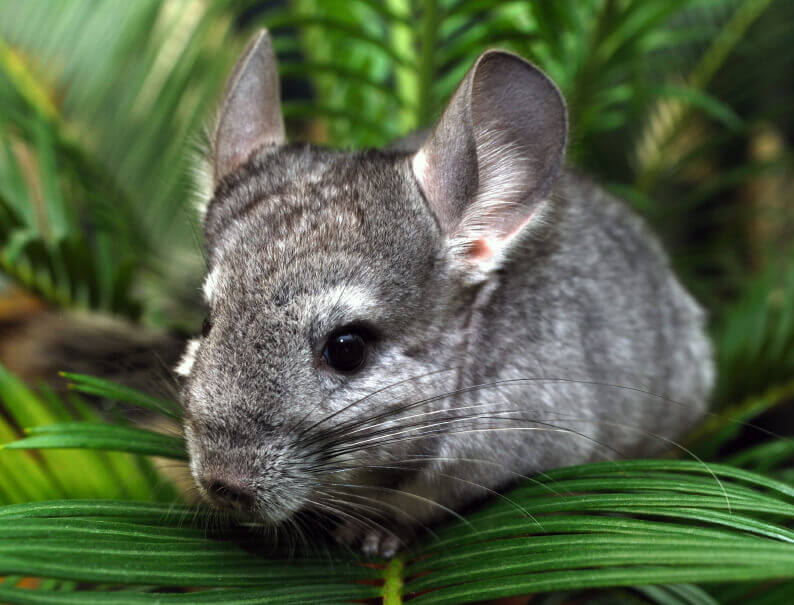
{"x": 683, "y": 107}
{"x": 60, "y": 474}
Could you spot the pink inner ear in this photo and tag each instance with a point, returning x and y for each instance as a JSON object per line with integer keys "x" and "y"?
{"x": 480, "y": 250}
{"x": 485, "y": 248}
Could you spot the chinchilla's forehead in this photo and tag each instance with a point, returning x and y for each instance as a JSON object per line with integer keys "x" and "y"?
{"x": 299, "y": 217}
{"x": 299, "y": 195}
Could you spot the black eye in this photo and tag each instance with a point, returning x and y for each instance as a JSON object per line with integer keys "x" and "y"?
{"x": 206, "y": 327}
{"x": 345, "y": 351}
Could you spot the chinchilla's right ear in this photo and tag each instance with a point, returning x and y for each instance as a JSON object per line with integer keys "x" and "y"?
{"x": 250, "y": 115}
{"x": 492, "y": 159}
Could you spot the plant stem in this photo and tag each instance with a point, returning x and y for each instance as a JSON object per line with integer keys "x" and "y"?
{"x": 426, "y": 67}
{"x": 405, "y": 77}
{"x": 393, "y": 586}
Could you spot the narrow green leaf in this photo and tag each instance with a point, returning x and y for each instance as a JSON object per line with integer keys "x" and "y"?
{"x": 57, "y": 218}
{"x": 495, "y": 588}
{"x": 99, "y": 436}
{"x": 143, "y": 511}
{"x": 297, "y": 595}
{"x": 91, "y": 385}
{"x": 287, "y": 19}
{"x": 289, "y": 69}
{"x": 709, "y": 104}
{"x": 296, "y": 109}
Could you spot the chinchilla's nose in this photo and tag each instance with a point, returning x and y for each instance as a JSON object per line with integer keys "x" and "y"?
{"x": 228, "y": 493}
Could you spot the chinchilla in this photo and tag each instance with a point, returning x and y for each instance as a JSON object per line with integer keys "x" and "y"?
{"x": 395, "y": 334}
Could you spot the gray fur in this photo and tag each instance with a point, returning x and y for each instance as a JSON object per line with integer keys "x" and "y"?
{"x": 578, "y": 303}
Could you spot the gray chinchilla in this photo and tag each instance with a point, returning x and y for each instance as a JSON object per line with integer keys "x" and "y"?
{"x": 395, "y": 334}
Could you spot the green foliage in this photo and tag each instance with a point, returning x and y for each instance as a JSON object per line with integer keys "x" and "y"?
{"x": 598, "y": 525}
{"x": 682, "y": 107}
{"x": 100, "y": 436}
{"x": 63, "y": 473}
{"x": 91, "y": 385}
{"x": 757, "y": 332}
{"x": 43, "y": 245}
{"x": 112, "y": 118}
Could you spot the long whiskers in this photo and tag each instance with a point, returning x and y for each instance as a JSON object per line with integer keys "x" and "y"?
{"x": 500, "y": 466}
{"x": 404, "y": 434}
{"x": 382, "y": 503}
{"x": 517, "y": 506}
{"x": 363, "y": 399}
{"x": 327, "y": 449}
{"x": 344, "y": 427}
{"x": 677, "y": 445}
{"x": 392, "y": 490}
{"x": 360, "y": 520}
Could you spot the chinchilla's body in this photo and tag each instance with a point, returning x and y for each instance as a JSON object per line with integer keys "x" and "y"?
{"x": 395, "y": 334}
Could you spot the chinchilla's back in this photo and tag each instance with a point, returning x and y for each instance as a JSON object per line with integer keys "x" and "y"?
{"x": 594, "y": 301}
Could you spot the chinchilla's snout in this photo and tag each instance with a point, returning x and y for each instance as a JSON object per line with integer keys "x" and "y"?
{"x": 229, "y": 492}
{"x": 255, "y": 482}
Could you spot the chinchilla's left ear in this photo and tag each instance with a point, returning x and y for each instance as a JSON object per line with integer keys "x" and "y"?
{"x": 493, "y": 157}
{"x": 250, "y": 116}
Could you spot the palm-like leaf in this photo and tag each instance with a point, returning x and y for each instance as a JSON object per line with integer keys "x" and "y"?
{"x": 607, "y": 524}
{"x": 59, "y": 474}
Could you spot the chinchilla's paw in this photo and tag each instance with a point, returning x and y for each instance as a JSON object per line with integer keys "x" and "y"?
{"x": 372, "y": 542}
{"x": 380, "y": 543}
{"x": 347, "y": 533}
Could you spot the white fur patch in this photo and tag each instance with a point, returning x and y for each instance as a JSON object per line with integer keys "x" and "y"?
{"x": 201, "y": 172}
{"x": 419, "y": 166}
{"x": 188, "y": 358}
{"x": 354, "y": 297}
{"x": 211, "y": 285}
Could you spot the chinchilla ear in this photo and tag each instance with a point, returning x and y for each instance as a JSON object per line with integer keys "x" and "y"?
{"x": 250, "y": 115}
{"x": 493, "y": 157}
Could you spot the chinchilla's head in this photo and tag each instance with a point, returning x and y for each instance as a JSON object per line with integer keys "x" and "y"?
{"x": 338, "y": 283}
